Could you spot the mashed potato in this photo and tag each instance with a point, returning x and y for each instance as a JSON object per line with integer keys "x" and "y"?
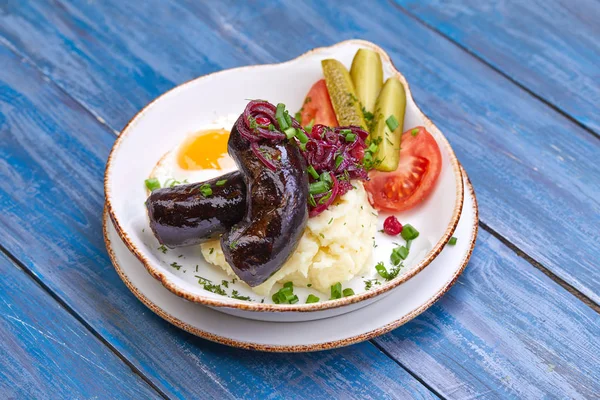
{"x": 336, "y": 246}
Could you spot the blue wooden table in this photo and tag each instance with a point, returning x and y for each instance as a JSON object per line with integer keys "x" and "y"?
{"x": 514, "y": 85}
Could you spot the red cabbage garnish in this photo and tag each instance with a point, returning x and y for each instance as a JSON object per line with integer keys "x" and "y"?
{"x": 334, "y": 155}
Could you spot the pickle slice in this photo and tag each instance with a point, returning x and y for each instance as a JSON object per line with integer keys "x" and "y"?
{"x": 367, "y": 76}
{"x": 341, "y": 92}
{"x": 391, "y": 102}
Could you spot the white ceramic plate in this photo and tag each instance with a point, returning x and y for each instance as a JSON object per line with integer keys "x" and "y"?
{"x": 406, "y": 302}
{"x": 199, "y": 104}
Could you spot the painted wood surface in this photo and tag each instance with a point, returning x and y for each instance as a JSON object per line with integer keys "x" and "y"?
{"x": 530, "y": 183}
{"x": 45, "y": 353}
{"x": 492, "y": 336}
{"x": 505, "y": 330}
{"x": 52, "y": 155}
{"x": 550, "y": 47}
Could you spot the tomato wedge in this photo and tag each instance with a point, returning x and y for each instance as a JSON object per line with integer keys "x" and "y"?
{"x": 414, "y": 179}
{"x": 317, "y": 106}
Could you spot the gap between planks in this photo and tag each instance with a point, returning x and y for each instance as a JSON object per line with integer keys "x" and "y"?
{"x": 77, "y": 317}
{"x": 497, "y": 70}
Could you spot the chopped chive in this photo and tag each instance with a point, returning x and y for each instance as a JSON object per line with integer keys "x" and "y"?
{"x": 381, "y": 270}
{"x": 312, "y": 171}
{"x": 452, "y": 241}
{"x": 336, "y": 291}
{"x": 348, "y": 292}
{"x": 326, "y": 177}
{"x": 318, "y": 187}
{"x": 338, "y": 160}
{"x": 350, "y": 137}
{"x": 409, "y": 232}
{"x": 302, "y": 136}
{"x": 206, "y": 190}
{"x": 309, "y": 127}
{"x": 221, "y": 182}
{"x": 290, "y": 132}
{"x": 392, "y": 123}
{"x": 312, "y": 299}
{"x": 152, "y": 184}
{"x": 414, "y": 131}
{"x": 323, "y": 199}
{"x": 330, "y": 221}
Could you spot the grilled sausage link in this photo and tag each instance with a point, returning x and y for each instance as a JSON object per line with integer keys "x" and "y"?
{"x": 276, "y": 210}
{"x": 183, "y": 216}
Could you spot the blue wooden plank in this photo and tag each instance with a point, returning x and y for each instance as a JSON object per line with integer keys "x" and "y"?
{"x": 52, "y": 155}
{"x": 46, "y": 353}
{"x": 534, "y": 171}
{"x": 550, "y": 47}
{"x": 505, "y": 330}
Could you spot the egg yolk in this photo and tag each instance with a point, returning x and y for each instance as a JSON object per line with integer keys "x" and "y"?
{"x": 204, "y": 150}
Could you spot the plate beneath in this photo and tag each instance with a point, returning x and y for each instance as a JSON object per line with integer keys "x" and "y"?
{"x": 405, "y": 303}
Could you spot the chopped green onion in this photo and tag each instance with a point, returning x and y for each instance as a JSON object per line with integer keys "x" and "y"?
{"x": 338, "y": 160}
{"x": 309, "y": 127}
{"x": 350, "y": 137}
{"x": 152, "y": 184}
{"x": 279, "y": 111}
{"x": 311, "y": 200}
{"x": 318, "y": 188}
{"x": 221, "y": 182}
{"x": 312, "y": 171}
{"x": 398, "y": 254}
{"x": 414, "y": 131}
{"x": 280, "y": 117}
{"x": 288, "y": 284}
{"x": 206, "y": 190}
{"x": 372, "y": 148}
{"x": 290, "y": 132}
{"x": 408, "y": 243}
{"x": 348, "y": 292}
{"x": 409, "y": 232}
{"x": 336, "y": 291}
{"x": 381, "y": 270}
{"x": 326, "y": 177}
{"x": 345, "y": 131}
{"x": 323, "y": 199}
{"x": 298, "y": 116}
{"x": 312, "y": 299}
{"x": 452, "y": 241}
{"x": 288, "y": 119}
{"x": 392, "y": 123}
{"x": 302, "y": 136}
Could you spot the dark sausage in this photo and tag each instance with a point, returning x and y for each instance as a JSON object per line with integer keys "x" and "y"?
{"x": 276, "y": 209}
{"x": 182, "y": 216}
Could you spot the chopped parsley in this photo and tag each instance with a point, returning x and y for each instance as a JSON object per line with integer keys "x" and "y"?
{"x": 225, "y": 283}
{"x": 370, "y": 282}
{"x": 176, "y": 266}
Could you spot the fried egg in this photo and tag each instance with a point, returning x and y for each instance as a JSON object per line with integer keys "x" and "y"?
{"x": 202, "y": 155}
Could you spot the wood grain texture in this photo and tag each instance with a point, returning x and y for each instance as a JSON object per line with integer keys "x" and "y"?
{"x": 530, "y": 183}
{"x": 45, "y": 353}
{"x": 52, "y": 155}
{"x": 505, "y": 330}
{"x": 550, "y": 47}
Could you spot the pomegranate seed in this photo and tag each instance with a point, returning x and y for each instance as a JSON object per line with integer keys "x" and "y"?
{"x": 392, "y": 226}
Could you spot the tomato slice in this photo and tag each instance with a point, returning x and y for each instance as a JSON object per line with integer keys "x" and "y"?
{"x": 414, "y": 179}
{"x": 317, "y": 106}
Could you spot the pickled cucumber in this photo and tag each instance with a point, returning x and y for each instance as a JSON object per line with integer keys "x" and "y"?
{"x": 342, "y": 94}
{"x": 389, "y": 112}
{"x": 367, "y": 76}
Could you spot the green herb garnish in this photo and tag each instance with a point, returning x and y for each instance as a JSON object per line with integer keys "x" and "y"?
{"x": 162, "y": 248}
{"x": 348, "y": 292}
{"x": 336, "y": 291}
{"x": 409, "y": 232}
{"x": 414, "y": 131}
{"x": 312, "y": 171}
{"x": 392, "y": 123}
{"x": 176, "y": 266}
{"x": 221, "y": 182}
{"x": 312, "y": 299}
{"x": 152, "y": 184}
{"x": 205, "y": 190}
{"x": 452, "y": 241}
